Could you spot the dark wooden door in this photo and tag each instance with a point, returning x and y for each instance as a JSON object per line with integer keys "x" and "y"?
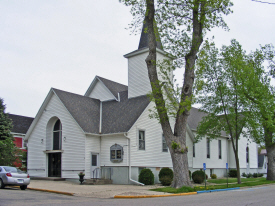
{"x": 54, "y": 165}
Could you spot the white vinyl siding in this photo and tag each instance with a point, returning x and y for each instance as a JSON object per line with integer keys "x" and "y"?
{"x": 106, "y": 143}
{"x": 138, "y": 80}
{"x": 153, "y": 155}
{"x": 101, "y": 92}
{"x": 92, "y": 145}
{"x": 73, "y": 156}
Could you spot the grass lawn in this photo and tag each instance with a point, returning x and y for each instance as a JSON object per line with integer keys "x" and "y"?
{"x": 219, "y": 184}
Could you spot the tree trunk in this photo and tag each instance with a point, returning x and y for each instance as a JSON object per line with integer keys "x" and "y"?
{"x": 271, "y": 162}
{"x": 270, "y": 149}
{"x": 178, "y": 151}
{"x": 238, "y": 168}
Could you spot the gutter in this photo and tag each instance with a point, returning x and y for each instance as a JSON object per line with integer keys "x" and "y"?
{"x": 130, "y": 173}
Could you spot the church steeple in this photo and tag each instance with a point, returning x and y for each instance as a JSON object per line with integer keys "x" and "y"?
{"x": 143, "y": 42}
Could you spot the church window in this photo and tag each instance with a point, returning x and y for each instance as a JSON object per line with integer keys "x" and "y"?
{"x": 57, "y": 135}
{"x": 116, "y": 153}
{"x": 141, "y": 137}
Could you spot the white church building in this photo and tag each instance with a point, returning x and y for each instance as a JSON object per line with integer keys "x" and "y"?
{"x": 107, "y": 132}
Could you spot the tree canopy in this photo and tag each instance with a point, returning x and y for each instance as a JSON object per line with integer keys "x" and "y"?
{"x": 8, "y": 151}
{"x": 181, "y": 25}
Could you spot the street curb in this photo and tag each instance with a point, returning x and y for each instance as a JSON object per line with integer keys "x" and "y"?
{"x": 150, "y": 196}
{"x": 52, "y": 191}
{"x": 218, "y": 190}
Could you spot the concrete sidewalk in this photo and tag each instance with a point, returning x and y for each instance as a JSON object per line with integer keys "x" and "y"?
{"x": 96, "y": 191}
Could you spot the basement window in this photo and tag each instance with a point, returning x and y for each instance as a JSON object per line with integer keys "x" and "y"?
{"x": 116, "y": 153}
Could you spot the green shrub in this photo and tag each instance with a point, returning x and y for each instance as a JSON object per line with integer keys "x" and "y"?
{"x": 248, "y": 175}
{"x": 166, "y": 180}
{"x": 213, "y": 176}
{"x": 260, "y": 174}
{"x": 244, "y": 174}
{"x": 166, "y": 172}
{"x": 146, "y": 177}
{"x": 255, "y": 175}
{"x": 198, "y": 176}
{"x": 232, "y": 173}
{"x": 166, "y": 176}
{"x": 190, "y": 174}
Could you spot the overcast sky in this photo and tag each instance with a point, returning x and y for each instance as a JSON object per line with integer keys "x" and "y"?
{"x": 64, "y": 44}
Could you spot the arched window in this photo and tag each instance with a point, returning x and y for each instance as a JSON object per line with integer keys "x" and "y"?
{"x": 57, "y": 135}
{"x": 116, "y": 153}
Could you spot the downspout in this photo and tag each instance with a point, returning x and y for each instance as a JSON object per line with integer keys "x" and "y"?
{"x": 129, "y": 151}
{"x": 100, "y": 117}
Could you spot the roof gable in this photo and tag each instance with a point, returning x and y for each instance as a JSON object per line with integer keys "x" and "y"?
{"x": 108, "y": 87}
{"x": 85, "y": 110}
{"x": 21, "y": 124}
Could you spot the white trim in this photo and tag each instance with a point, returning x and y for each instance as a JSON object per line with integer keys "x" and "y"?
{"x": 53, "y": 151}
{"x": 92, "y": 85}
{"x": 39, "y": 113}
{"x": 141, "y": 51}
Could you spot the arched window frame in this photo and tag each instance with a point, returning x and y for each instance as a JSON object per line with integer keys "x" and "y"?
{"x": 116, "y": 153}
{"x": 57, "y": 134}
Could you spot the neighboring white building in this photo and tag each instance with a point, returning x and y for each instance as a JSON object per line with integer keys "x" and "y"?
{"x": 108, "y": 133}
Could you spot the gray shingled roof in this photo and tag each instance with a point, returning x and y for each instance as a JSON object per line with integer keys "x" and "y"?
{"x": 195, "y": 117}
{"x": 84, "y": 110}
{"x": 120, "y": 116}
{"x": 143, "y": 42}
{"x": 21, "y": 124}
{"x": 116, "y": 116}
{"x": 114, "y": 87}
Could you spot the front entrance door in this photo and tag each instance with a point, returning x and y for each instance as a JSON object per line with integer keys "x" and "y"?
{"x": 95, "y": 168}
{"x": 54, "y": 165}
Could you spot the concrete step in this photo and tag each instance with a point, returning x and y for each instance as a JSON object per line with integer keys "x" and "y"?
{"x": 48, "y": 178}
{"x": 97, "y": 182}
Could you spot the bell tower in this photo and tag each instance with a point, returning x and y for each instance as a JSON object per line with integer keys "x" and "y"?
{"x": 138, "y": 80}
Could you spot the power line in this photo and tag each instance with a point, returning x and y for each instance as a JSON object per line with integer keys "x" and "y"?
{"x": 264, "y": 2}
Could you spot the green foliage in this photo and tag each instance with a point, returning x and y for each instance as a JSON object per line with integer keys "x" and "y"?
{"x": 182, "y": 25}
{"x": 255, "y": 175}
{"x": 232, "y": 173}
{"x": 166, "y": 176}
{"x": 198, "y": 176}
{"x": 8, "y": 151}
{"x": 166, "y": 180}
{"x": 190, "y": 173}
{"x": 146, "y": 177}
{"x": 166, "y": 172}
{"x": 244, "y": 174}
{"x": 249, "y": 175}
{"x": 213, "y": 176}
{"x": 175, "y": 145}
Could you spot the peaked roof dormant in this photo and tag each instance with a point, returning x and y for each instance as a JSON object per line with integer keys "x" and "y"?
{"x": 113, "y": 87}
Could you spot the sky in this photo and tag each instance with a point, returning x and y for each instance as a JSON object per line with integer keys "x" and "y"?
{"x": 64, "y": 44}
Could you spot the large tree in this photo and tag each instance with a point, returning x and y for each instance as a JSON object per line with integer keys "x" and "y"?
{"x": 219, "y": 91}
{"x": 260, "y": 92}
{"x": 8, "y": 151}
{"x": 181, "y": 24}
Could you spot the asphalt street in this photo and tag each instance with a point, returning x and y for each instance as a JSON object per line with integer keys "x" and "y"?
{"x": 263, "y": 196}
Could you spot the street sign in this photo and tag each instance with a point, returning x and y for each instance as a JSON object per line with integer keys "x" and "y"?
{"x": 204, "y": 166}
{"x": 227, "y": 166}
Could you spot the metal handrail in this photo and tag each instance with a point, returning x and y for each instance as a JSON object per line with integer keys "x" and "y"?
{"x": 96, "y": 172}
